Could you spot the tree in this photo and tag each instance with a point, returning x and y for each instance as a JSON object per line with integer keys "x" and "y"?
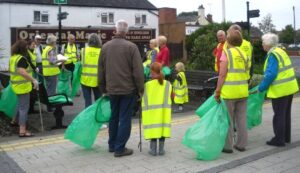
{"x": 287, "y": 35}
{"x": 266, "y": 25}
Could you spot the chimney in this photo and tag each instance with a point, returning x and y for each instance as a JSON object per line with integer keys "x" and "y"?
{"x": 167, "y": 15}
{"x": 209, "y": 18}
{"x": 201, "y": 11}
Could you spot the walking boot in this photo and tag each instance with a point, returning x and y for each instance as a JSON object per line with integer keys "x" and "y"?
{"x": 161, "y": 148}
{"x": 153, "y": 147}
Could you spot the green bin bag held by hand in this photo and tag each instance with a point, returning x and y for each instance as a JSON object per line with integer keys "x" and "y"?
{"x": 84, "y": 128}
{"x": 76, "y": 79}
{"x": 254, "y": 108}
{"x": 166, "y": 71}
{"x": 206, "y": 106}
{"x": 8, "y": 101}
{"x": 207, "y": 136}
{"x": 63, "y": 84}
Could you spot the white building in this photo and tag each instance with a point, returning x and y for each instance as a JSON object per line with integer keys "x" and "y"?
{"x": 194, "y": 20}
{"x": 23, "y": 19}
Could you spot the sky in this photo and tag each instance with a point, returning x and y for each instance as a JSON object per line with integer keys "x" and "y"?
{"x": 235, "y": 10}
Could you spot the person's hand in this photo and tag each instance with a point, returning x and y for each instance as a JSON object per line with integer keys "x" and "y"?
{"x": 35, "y": 84}
{"x": 217, "y": 96}
{"x": 254, "y": 92}
{"x": 37, "y": 70}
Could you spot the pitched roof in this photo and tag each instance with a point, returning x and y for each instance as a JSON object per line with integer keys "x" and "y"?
{"x": 128, "y": 4}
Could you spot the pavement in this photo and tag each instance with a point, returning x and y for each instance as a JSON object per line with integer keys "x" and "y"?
{"x": 51, "y": 153}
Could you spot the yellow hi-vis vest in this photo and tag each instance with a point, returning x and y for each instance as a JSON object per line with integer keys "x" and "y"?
{"x": 181, "y": 91}
{"x": 32, "y": 56}
{"x": 236, "y": 82}
{"x": 285, "y": 83}
{"x": 70, "y": 52}
{"x": 247, "y": 48}
{"x": 19, "y": 84}
{"x": 156, "y": 109}
{"x": 48, "y": 68}
{"x": 149, "y": 57}
{"x": 89, "y": 75}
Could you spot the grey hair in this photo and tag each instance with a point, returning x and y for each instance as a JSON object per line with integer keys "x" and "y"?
{"x": 51, "y": 39}
{"x": 121, "y": 26}
{"x": 270, "y": 39}
{"x": 94, "y": 40}
{"x": 221, "y": 32}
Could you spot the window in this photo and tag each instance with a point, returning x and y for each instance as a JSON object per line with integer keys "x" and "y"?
{"x": 40, "y": 17}
{"x": 107, "y": 18}
{"x": 140, "y": 19}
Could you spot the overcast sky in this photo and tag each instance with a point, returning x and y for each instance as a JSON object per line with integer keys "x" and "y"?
{"x": 281, "y": 10}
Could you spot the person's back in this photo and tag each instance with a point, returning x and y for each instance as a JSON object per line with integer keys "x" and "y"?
{"x": 123, "y": 66}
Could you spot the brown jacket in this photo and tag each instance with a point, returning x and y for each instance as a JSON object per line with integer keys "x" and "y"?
{"x": 120, "y": 68}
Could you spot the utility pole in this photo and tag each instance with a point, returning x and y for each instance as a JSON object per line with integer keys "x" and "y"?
{"x": 248, "y": 19}
{"x": 59, "y": 29}
{"x": 223, "y": 11}
{"x": 294, "y": 26}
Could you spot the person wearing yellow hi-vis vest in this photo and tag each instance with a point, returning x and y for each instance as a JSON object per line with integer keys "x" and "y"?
{"x": 50, "y": 68}
{"x": 70, "y": 50}
{"x": 281, "y": 83}
{"x": 247, "y": 48}
{"x": 89, "y": 76}
{"x": 221, "y": 36}
{"x": 180, "y": 89}
{"x": 232, "y": 86}
{"x": 21, "y": 80}
{"x": 156, "y": 110}
{"x": 152, "y": 53}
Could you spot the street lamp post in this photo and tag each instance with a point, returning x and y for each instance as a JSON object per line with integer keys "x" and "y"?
{"x": 294, "y": 26}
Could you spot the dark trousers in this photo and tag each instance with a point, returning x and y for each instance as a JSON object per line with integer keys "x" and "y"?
{"x": 87, "y": 94}
{"x": 282, "y": 119}
{"x": 70, "y": 67}
{"x": 120, "y": 123}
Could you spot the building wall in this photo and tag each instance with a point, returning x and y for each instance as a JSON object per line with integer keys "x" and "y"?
{"x": 21, "y": 15}
{"x": 167, "y": 15}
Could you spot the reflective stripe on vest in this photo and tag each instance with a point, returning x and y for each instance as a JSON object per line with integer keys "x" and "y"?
{"x": 70, "y": 52}
{"x": 180, "y": 90}
{"x": 236, "y": 82}
{"x": 19, "y": 84}
{"x": 285, "y": 82}
{"x": 48, "y": 68}
{"x": 90, "y": 59}
{"x": 156, "y": 109}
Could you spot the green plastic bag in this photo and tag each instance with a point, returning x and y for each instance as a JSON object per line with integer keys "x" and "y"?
{"x": 207, "y": 136}
{"x": 254, "y": 108}
{"x": 166, "y": 71}
{"x": 206, "y": 106}
{"x": 147, "y": 73}
{"x": 84, "y": 128}
{"x": 8, "y": 101}
{"x": 63, "y": 84}
{"x": 76, "y": 79}
{"x": 59, "y": 99}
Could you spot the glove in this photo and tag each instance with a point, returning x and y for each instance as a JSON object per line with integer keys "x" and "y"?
{"x": 35, "y": 84}
{"x": 217, "y": 96}
{"x": 37, "y": 70}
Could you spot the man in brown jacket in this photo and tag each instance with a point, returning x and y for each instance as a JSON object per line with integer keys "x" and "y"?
{"x": 121, "y": 77}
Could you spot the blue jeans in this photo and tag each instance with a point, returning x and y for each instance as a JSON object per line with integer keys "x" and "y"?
{"x": 87, "y": 94}
{"x": 120, "y": 121}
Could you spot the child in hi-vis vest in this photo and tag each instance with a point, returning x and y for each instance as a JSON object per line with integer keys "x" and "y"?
{"x": 180, "y": 88}
{"x": 156, "y": 110}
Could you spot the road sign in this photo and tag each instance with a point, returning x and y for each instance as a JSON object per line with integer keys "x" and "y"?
{"x": 253, "y": 13}
{"x": 60, "y": 2}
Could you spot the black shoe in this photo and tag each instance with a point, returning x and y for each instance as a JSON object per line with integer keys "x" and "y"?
{"x": 239, "y": 149}
{"x": 33, "y": 112}
{"x": 111, "y": 150}
{"x": 272, "y": 143}
{"x": 227, "y": 150}
{"x": 49, "y": 109}
{"x": 126, "y": 152}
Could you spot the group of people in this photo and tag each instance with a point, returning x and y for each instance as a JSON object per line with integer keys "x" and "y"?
{"x": 116, "y": 69}
{"x": 233, "y": 65}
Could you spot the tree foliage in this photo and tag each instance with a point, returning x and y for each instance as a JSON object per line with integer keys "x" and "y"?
{"x": 287, "y": 35}
{"x": 266, "y": 24}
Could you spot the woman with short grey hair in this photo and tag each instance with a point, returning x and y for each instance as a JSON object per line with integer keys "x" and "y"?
{"x": 89, "y": 76}
{"x": 280, "y": 83}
